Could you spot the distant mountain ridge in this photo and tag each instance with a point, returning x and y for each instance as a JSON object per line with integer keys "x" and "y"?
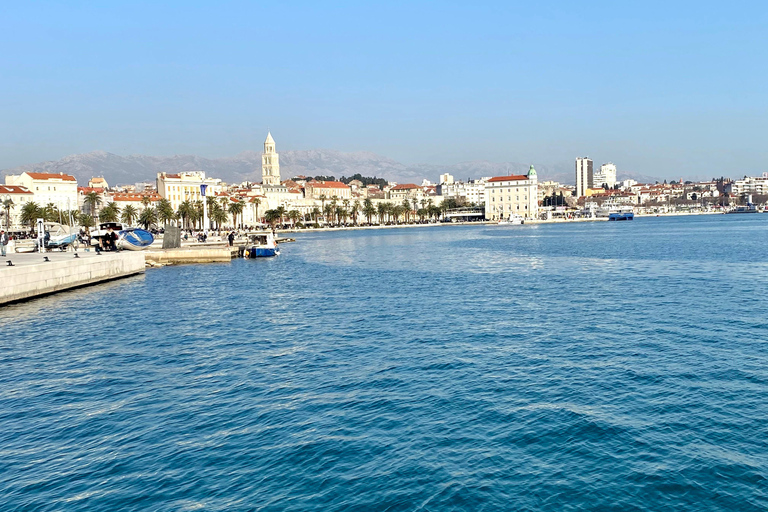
{"x": 246, "y": 166}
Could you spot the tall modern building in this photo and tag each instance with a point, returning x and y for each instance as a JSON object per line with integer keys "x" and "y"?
{"x": 583, "y": 175}
{"x": 605, "y": 176}
{"x": 270, "y": 163}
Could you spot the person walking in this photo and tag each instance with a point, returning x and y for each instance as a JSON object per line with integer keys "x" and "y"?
{"x": 3, "y": 241}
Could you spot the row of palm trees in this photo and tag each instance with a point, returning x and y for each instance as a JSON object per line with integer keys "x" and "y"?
{"x": 337, "y": 213}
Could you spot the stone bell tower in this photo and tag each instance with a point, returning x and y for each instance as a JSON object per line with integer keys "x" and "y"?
{"x": 270, "y": 163}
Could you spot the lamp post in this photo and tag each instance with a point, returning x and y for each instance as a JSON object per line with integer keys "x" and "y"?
{"x": 205, "y": 210}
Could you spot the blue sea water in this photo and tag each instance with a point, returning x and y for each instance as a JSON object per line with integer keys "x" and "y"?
{"x": 592, "y": 366}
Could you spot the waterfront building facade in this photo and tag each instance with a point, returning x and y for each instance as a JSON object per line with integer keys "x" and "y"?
{"x": 327, "y": 189}
{"x": 58, "y": 189}
{"x": 750, "y": 185}
{"x": 512, "y": 195}
{"x": 583, "y": 175}
{"x": 183, "y": 186}
{"x": 471, "y": 192}
{"x": 606, "y": 176}
{"x": 270, "y": 163}
{"x": 17, "y": 196}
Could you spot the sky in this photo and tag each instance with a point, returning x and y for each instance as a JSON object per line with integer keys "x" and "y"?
{"x": 672, "y": 89}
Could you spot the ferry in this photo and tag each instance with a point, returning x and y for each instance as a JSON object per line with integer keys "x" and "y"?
{"x": 744, "y": 209}
{"x": 261, "y": 245}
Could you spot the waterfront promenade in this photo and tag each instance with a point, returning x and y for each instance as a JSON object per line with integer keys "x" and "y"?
{"x": 32, "y": 276}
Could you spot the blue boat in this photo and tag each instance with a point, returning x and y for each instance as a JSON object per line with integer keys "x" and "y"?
{"x": 262, "y": 245}
{"x": 621, "y": 216}
{"x": 134, "y": 239}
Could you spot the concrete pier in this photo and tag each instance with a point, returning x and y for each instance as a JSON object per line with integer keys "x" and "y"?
{"x": 32, "y": 276}
{"x": 194, "y": 254}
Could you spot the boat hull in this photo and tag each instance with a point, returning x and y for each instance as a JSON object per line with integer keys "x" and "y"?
{"x": 621, "y": 216}
{"x": 134, "y": 239}
{"x": 263, "y": 252}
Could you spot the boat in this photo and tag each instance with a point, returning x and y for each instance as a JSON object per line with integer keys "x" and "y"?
{"x": 59, "y": 236}
{"x": 513, "y": 219}
{"x": 623, "y": 214}
{"x": 128, "y": 238}
{"x": 261, "y": 245}
{"x": 744, "y": 209}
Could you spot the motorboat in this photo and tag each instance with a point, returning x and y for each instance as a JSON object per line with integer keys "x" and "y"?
{"x": 261, "y": 245}
{"x": 59, "y": 236}
{"x": 128, "y": 238}
{"x": 513, "y": 220}
{"x": 622, "y": 214}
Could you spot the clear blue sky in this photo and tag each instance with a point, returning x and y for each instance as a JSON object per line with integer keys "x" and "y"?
{"x": 660, "y": 88}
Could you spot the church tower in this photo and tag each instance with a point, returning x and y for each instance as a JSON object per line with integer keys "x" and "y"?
{"x": 270, "y": 163}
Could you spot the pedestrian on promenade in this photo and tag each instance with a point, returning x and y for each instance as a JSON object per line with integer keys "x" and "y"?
{"x": 231, "y": 238}
{"x": 3, "y": 241}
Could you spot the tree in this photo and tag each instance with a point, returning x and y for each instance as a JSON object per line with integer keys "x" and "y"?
{"x": 145, "y": 201}
{"x": 315, "y": 213}
{"x": 382, "y": 210}
{"x": 220, "y": 217}
{"x": 256, "y": 202}
{"x": 129, "y": 214}
{"x": 109, "y": 213}
{"x": 50, "y": 213}
{"x": 92, "y": 200}
{"x": 272, "y": 217}
{"x": 368, "y": 209}
{"x": 86, "y": 220}
{"x": 148, "y": 217}
{"x": 235, "y": 208}
{"x": 281, "y": 211}
{"x": 165, "y": 211}
{"x": 406, "y": 209}
{"x": 355, "y": 211}
{"x": 30, "y": 212}
{"x": 186, "y": 212}
{"x": 327, "y": 210}
{"x": 7, "y": 205}
{"x": 294, "y": 215}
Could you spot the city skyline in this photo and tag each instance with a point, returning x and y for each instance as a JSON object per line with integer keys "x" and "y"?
{"x": 416, "y": 83}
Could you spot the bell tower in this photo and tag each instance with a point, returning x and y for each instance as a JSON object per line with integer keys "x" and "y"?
{"x": 270, "y": 163}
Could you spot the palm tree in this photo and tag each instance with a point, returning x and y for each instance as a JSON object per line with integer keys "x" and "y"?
{"x": 406, "y": 209}
{"x": 327, "y": 209}
{"x": 185, "y": 212}
{"x": 86, "y": 220}
{"x": 368, "y": 209}
{"x": 7, "y": 205}
{"x": 272, "y": 217}
{"x": 294, "y": 215}
{"x": 29, "y": 213}
{"x": 92, "y": 200}
{"x": 256, "y": 202}
{"x": 129, "y": 213}
{"x": 109, "y": 213}
{"x": 235, "y": 208}
{"x": 341, "y": 214}
{"x": 220, "y": 217}
{"x": 382, "y": 210}
{"x": 354, "y": 211}
{"x": 145, "y": 201}
{"x": 322, "y": 201}
{"x": 315, "y": 213}
{"x": 281, "y": 211}
{"x": 148, "y": 216}
{"x": 165, "y": 211}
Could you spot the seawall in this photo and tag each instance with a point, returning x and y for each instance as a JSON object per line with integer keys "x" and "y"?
{"x": 32, "y": 276}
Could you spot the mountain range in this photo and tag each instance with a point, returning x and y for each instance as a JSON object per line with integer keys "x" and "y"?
{"x": 246, "y": 166}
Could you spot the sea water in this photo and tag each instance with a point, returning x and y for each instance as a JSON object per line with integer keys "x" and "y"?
{"x": 589, "y": 366}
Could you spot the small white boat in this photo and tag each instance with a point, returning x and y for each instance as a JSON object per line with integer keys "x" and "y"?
{"x": 513, "y": 220}
{"x": 261, "y": 245}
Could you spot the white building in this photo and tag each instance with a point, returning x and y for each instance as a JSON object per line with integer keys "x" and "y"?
{"x": 446, "y": 179}
{"x": 18, "y": 196}
{"x": 512, "y": 195}
{"x": 605, "y": 176}
{"x": 472, "y": 191}
{"x": 270, "y": 163}
{"x": 756, "y": 185}
{"x": 184, "y": 186}
{"x": 583, "y": 175}
{"x": 48, "y": 188}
